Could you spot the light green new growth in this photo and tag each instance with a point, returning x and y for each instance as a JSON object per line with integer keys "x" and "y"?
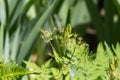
{"x": 11, "y": 71}
{"x": 75, "y": 62}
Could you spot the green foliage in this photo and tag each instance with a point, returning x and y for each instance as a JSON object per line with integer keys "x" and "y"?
{"x": 44, "y": 71}
{"x": 76, "y": 63}
{"x": 1, "y": 41}
{"x": 21, "y": 23}
{"x": 107, "y": 29}
{"x": 11, "y": 71}
{"x": 34, "y": 34}
{"x": 19, "y": 26}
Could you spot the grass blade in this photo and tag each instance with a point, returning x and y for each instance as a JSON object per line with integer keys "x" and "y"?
{"x": 15, "y": 45}
{"x": 109, "y": 13}
{"x": 16, "y": 13}
{"x": 1, "y": 40}
{"x": 7, "y": 10}
{"x": 7, "y": 47}
{"x": 95, "y": 17}
{"x": 2, "y": 13}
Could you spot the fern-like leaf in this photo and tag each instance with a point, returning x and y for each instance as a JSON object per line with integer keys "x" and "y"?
{"x": 11, "y": 71}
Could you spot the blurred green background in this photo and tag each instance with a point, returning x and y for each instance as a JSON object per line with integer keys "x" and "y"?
{"x": 21, "y": 20}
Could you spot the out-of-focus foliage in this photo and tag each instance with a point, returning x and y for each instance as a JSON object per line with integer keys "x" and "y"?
{"x": 102, "y": 15}
{"x": 20, "y": 26}
{"x": 105, "y": 20}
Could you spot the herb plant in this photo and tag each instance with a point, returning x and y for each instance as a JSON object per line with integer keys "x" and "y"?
{"x": 11, "y": 70}
{"x": 75, "y": 62}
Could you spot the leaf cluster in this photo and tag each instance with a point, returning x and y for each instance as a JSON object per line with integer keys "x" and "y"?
{"x": 11, "y": 71}
{"x": 75, "y": 62}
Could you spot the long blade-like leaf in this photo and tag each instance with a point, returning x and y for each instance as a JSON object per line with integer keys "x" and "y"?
{"x": 7, "y": 47}
{"x": 109, "y": 13}
{"x": 34, "y": 33}
{"x": 15, "y": 44}
{"x": 1, "y": 40}
{"x": 16, "y": 12}
{"x": 95, "y": 17}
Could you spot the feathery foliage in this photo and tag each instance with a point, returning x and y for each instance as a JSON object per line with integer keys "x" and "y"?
{"x": 75, "y": 62}
{"x": 11, "y": 71}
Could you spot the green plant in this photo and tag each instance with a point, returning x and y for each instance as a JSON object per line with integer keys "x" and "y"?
{"x": 11, "y": 71}
{"x": 19, "y": 30}
{"x": 109, "y": 26}
{"x": 75, "y": 62}
{"x": 102, "y": 15}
